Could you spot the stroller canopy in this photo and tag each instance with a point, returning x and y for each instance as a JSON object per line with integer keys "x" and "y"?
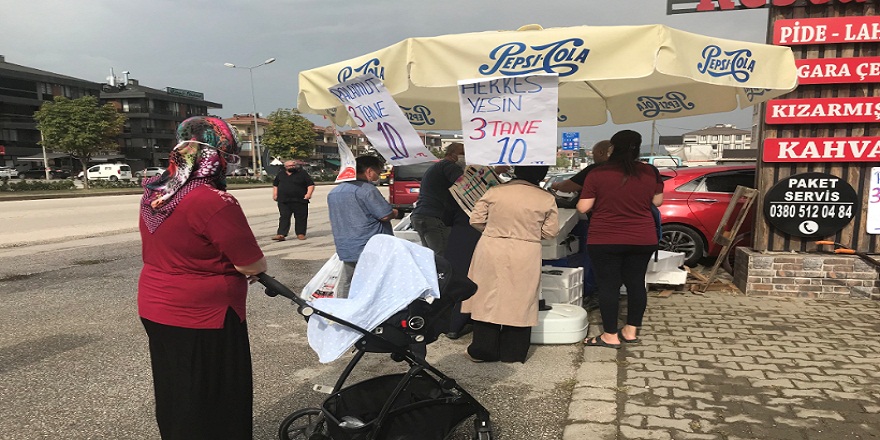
{"x": 391, "y": 273}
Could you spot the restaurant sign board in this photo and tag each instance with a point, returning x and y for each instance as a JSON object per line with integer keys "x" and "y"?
{"x": 811, "y": 205}
{"x": 823, "y": 110}
{"x": 836, "y": 149}
{"x": 838, "y": 70}
{"x": 686, "y": 6}
{"x": 854, "y": 29}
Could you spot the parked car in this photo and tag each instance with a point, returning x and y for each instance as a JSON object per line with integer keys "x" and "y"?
{"x": 385, "y": 178}
{"x": 110, "y": 171}
{"x": 663, "y": 161}
{"x": 149, "y": 172}
{"x": 241, "y": 171}
{"x": 694, "y": 201}
{"x": 40, "y": 173}
{"x": 404, "y": 184}
{"x": 8, "y": 173}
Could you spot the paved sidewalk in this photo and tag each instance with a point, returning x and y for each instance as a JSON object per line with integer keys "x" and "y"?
{"x": 730, "y": 367}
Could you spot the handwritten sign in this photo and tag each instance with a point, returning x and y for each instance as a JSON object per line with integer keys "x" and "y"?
{"x": 347, "y": 164}
{"x": 511, "y": 120}
{"x": 376, "y": 113}
{"x": 873, "y": 224}
{"x": 472, "y": 184}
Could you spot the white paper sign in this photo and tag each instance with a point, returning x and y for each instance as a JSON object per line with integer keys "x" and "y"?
{"x": 347, "y": 164}
{"x": 376, "y": 114}
{"x": 511, "y": 120}
{"x": 873, "y": 224}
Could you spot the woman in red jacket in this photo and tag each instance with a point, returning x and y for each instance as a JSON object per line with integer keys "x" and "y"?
{"x": 198, "y": 253}
{"x": 622, "y": 235}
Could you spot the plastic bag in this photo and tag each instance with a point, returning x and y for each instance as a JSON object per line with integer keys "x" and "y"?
{"x": 324, "y": 283}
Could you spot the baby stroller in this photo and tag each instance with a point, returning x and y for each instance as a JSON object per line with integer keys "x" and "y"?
{"x": 422, "y": 403}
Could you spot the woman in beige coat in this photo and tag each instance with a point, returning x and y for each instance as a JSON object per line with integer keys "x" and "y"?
{"x": 506, "y": 265}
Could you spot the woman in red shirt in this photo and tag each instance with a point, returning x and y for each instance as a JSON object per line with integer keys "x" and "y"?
{"x": 622, "y": 235}
{"x": 198, "y": 253}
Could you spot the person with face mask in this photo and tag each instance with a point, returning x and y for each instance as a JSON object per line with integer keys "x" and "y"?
{"x": 433, "y": 214}
{"x": 358, "y": 211}
{"x": 292, "y": 190}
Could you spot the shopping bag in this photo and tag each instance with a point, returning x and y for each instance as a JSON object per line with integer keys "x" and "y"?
{"x": 323, "y": 284}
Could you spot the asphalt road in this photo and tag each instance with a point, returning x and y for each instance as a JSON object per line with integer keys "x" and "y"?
{"x": 73, "y": 354}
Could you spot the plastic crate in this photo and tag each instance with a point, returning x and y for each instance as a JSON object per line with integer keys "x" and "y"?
{"x": 569, "y": 295}
{"x": 561, "y": 277}
{"x": 562, "y": 324}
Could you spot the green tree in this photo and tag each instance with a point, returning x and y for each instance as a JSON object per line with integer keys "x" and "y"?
{"x": 289, "y": 135}
{"x": 562, "y": 162}
{"x": 80, "y": 127}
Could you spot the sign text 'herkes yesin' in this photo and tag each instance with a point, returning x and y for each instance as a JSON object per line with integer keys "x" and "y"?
{"x": 685, "y": 6}
{"x": 839, "y": 149}
{"x": 797, "y": 31}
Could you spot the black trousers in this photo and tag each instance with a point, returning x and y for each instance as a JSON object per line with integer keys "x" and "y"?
{"x": 300, "y": 212}
{"x": 616, "y": 265}
{"x": 494, "y": 342}
{"x": 202, "y": 380}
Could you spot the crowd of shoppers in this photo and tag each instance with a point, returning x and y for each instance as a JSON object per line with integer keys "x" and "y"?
{"x": 199, "y": 254}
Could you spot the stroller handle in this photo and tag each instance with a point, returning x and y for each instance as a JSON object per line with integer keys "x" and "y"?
{"x": 275, "y": 288}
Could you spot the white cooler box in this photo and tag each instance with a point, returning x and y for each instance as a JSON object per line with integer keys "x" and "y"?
{"x": 666, "y": 261}
{"x": 666, "y": 269}
{"x": 404, "y": 230}
{"x": 563, "y": 324}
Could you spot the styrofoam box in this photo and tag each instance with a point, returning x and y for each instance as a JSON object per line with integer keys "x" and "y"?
{"x": 568, "y": 219}
{"x": 563, "y": 324}
{"x": 404, "y": 230}
{"x": 560, "y": 295}
{"x": 570, "y": 276}
{"x": 673, "y": 277}
{"x": 553, "y": 251}
{"x": 666, "y": 261}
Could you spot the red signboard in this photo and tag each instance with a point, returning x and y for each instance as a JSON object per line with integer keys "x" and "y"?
{"x": 2, "y": 150}
{"x": 853, "y": 29}
{"x": 837, "y": 149}
{"x": 683, "y": 6}
{"x": 838, "y": 70}
{"x": 823, "y": 110}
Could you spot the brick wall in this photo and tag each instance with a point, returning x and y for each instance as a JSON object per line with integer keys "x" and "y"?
{"x": 805, "y": 275}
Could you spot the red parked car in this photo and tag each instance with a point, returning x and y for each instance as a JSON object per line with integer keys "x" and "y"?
{"x": 404, "y": 184}
{"x": 694, "y": 201}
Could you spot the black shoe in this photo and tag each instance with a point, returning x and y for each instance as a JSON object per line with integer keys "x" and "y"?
{"x": 464, "y": 330}
{"x": 591, "y": 303}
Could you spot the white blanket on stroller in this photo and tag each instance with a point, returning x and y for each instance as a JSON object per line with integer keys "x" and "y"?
{"x": 390, "y": 274}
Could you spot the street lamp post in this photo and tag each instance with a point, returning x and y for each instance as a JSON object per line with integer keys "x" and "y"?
{"x": 258, "y": 165}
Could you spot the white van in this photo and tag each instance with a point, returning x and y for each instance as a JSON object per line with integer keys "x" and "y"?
{"x": 110, "y": 171}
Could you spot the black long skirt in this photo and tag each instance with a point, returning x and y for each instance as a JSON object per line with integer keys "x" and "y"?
{"x": 202, "y": 380}
{"x": 494, "y": 342}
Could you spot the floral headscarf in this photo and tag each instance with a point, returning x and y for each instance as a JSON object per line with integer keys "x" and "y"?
{"x": 200, "y": 158}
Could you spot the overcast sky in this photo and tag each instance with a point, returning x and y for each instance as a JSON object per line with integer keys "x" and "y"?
{"x": 184, "y": 43}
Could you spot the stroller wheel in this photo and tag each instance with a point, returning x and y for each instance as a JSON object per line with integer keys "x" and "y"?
{"x": 305, "y": 424}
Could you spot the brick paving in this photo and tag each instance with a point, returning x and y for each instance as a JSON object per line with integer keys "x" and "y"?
{"x": 731, "y": 367}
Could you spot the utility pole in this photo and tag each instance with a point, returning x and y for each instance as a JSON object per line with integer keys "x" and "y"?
{"x": 653, "y": 129}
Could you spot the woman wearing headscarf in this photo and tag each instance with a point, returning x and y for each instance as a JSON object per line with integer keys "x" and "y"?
{"x": 198, "y": 253}
{"x": 623, "y": 234}
{"x": 513, "y": 217}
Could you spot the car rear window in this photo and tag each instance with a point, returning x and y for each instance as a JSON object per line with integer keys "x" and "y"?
{"x": 411, "y": 172}
{"x": 125, "y": 168}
